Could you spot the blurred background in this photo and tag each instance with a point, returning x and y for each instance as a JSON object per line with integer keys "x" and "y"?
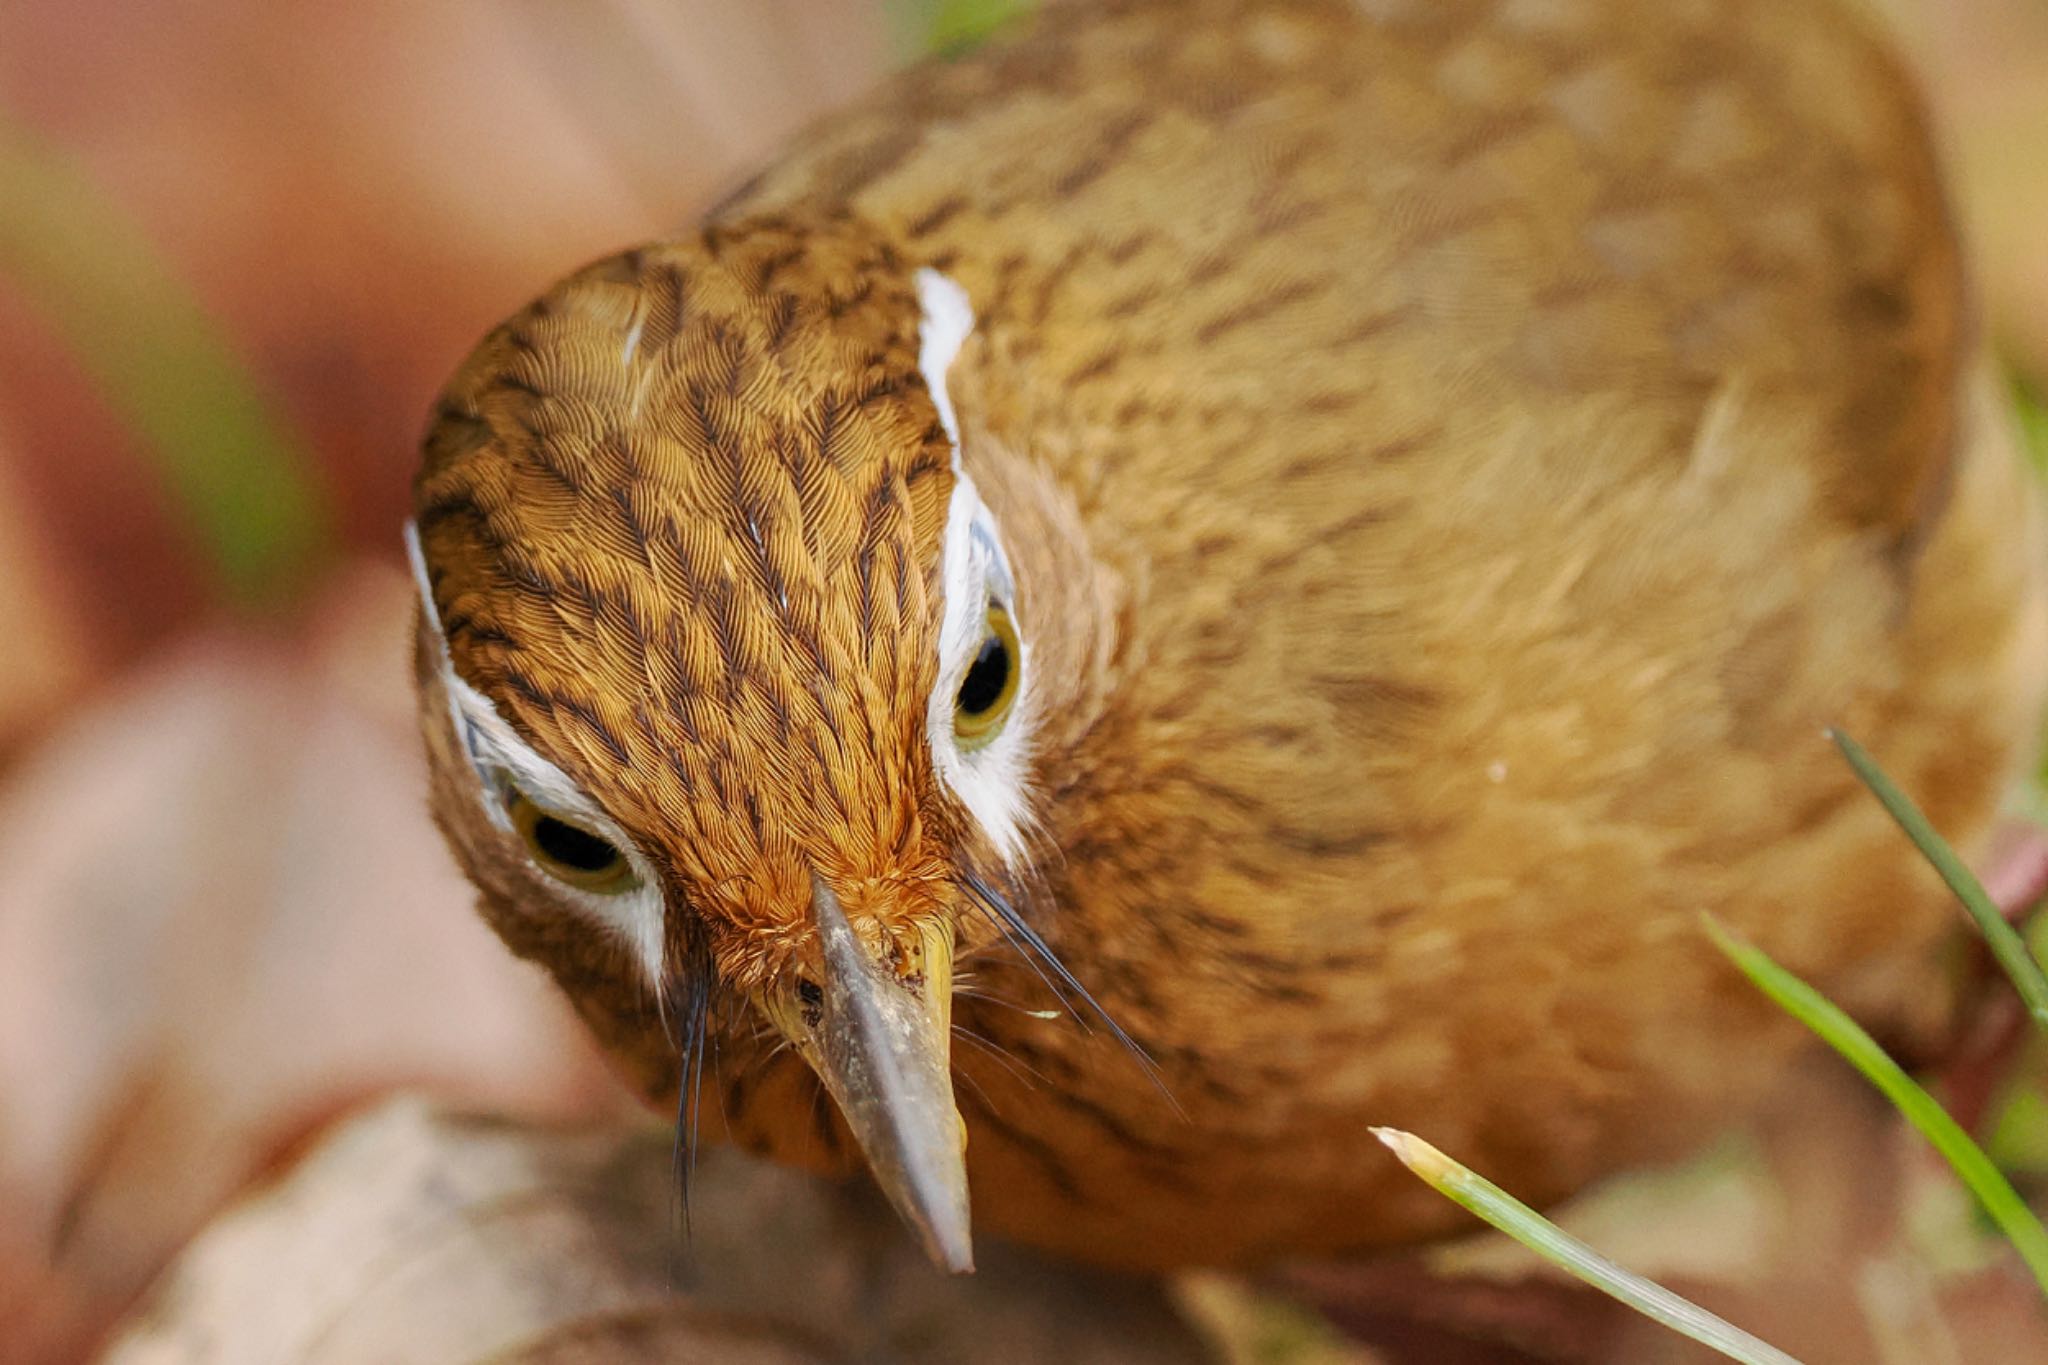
{"x": 241, "y": 244}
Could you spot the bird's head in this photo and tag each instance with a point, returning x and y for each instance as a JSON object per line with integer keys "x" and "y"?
{"x": 726, "y": 685}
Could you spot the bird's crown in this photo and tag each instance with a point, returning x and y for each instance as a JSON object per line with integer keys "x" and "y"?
{"x": 681, "y": 521}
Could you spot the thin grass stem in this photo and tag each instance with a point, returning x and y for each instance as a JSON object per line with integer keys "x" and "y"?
{"x": 1473, "y": 1191}
{"x": 2005, "y": 941}
{"x": 1844, "y": 1035}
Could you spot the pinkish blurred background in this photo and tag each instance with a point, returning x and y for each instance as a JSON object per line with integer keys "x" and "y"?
{"x": 241, "y": 244}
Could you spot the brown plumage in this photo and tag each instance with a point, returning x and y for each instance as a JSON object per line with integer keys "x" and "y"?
{"x": 1453, "y": 459}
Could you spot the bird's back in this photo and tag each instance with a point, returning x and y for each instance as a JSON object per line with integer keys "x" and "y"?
{"x": 1494, "y": 439}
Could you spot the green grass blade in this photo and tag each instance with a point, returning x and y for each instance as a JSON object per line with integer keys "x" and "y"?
{"x": 1845, "y": 1036}
{"x": 1480, "y": 1195}
{"x": 241, "y": 485}
{"x": 2006, "y": 944}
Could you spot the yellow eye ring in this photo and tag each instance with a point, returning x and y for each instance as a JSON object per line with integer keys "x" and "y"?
{"x": 989, "y": 688}
{"x": 568, "y": 853}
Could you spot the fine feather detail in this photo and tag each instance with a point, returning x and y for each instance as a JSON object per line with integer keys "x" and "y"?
{"x": 498, "y": 757}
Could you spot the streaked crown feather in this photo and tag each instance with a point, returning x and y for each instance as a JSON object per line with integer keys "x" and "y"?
{"x": 681, "y": 521}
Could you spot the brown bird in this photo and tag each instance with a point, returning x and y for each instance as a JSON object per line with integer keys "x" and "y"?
{"x": 1256, "y": 565}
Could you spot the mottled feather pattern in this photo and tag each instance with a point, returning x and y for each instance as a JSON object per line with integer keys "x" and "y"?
{"x": 1455, "y": 456}
{"x": 688, "y": 559}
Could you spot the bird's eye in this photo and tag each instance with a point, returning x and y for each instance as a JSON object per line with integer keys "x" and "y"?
{"x": 990, "y": 687}
{"x": 566, "y": 852}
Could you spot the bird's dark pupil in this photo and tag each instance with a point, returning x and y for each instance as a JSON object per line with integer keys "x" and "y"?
{"x": 983, "y": 685}
{"x": 571, "y": 847}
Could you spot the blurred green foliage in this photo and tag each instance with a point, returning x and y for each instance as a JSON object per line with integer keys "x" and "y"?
{"x": 2033, "y": 417}
{"x": 927, "y": 26}
{"x": 2019, "y": 1138}
{"x": 242, "y": 487}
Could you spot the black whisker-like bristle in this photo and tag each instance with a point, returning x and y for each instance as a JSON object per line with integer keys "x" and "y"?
{"x": 988, "y": 997}
{"x": 1016, "y": 928}
{"x": 692, "y": 993}
{"x": 1009, "y": 1061}
{"x": 980, "y": 1094}
{"x": 1024, "y": 954}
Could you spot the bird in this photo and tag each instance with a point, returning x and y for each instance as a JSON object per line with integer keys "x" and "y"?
{"x": 1208, "y": 574}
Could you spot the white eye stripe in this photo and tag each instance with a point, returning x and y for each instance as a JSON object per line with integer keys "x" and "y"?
{"x": 974, "y": 570}
{"x": 498, "y": 755}
{"x": 988, "y": 549}
{"x": 947, "y": 320}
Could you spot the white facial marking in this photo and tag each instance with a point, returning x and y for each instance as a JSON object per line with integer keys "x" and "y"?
{"x": 948, "y": 318}
{"x": 990, "y": 781}
{"x": 497, "y": 756}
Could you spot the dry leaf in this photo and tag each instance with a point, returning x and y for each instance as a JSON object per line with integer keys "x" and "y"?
{"x": 413, "y": 1237}
{"x": 223, "y": 917}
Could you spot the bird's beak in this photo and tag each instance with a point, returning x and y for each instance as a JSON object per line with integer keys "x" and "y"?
{"x": 880, "y": 1037}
